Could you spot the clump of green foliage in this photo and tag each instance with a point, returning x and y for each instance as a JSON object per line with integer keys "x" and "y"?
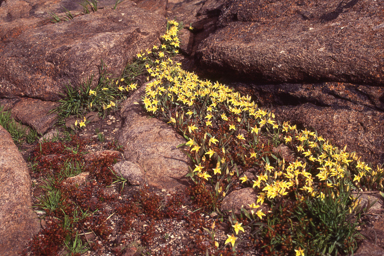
{"x": 104, "y": 97}
{"x": 18, "y": 132}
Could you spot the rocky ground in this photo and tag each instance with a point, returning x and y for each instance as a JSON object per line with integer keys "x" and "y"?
{"x": 178, "y": 233}
{"x": 318, "y": 65}
{"x": 182, "y": 233}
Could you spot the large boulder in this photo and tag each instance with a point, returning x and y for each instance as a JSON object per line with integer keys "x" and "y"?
{"x": 318, "y": 64}
{"x": 345, "y": 113}
{"x": 298, "y": 41}
{"x": 18, "y": 221}
{"x": 38, "y": 58}
{"x": 152, "y": 145}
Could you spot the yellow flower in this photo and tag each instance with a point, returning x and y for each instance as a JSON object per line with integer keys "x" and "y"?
{"x": 205, "y": 175}
{"x": 240, "y": 137}
{"x": 198, "y": 168}
{"x": 210, "y": 153}
{"x": 121, "y": 88}
{"x": 357, "y": 178}
{"x": 82, "y": 123}
{"x": 112, "y": 103}
{"x": 105, "y": 89}
{"x": 300, "y": 252}
{"x": 244, "y": 179}
{"x": 232, "y": 127}
{"x": 254, "y": 206}
{"x": 288, "y": 139}
{"x": 208, "y": 123}
{"x": 122, "y": 79}
{"x": 217, "y": 170}
{"x": 253, "y": 155}
{"x": 268, "y": 167}
{"x": 260, "y": 214}
{"x": 189, "y": 113}
{"x": 307, "y": 153}
{"x": 231, "y": 239}
{"x": 300, "y": 148}
{"x": 309, "y": 189}
{"x": 173, "y": 120}
{"x": 224, "y": 117}
{"x": 191, "y": 128}
{"x": 321, "y": 196}
{"x": 209, "y": 116}
{"x": 213, "y": 140}
{"x": 238, "y": 227}
{"x": 255, "y": 130}
{"x": 92, "y": 92}
{"x": 196, "y": 148}
{"x": 260, "y": 199}
{"x": 190, "y": 143}
{"x": 256, "y": 183}
{"x": 270, "y": 121}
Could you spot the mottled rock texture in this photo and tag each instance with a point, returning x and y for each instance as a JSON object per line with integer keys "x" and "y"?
{"x": 39, "y": 60}
{"x": 18, "y": 222}
{"x": 318, "y": 64}
{"x": 375, "y": 236}
{"x": 345, "y": 113}
{"x": 292, "y": 41}
{"x": 152, "y": 144}
{"x": 35, "y": 113}
{"x": 130, "y": 171}
{"x": 238, "y": 199}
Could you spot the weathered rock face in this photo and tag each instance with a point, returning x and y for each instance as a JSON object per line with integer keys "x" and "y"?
{"x": 318, "y": 64}
{"x": 131, "y": 172}
{"x": 39, "y": 60}
{"x": 201, "y": 15}
{"x": 154, "y": 6}
{"x": 152, "y": 144}
{"x": 18, "y": 221}
{"x": 362, "y": 132}
{"x": 35, "y": 113}
{"x": 345, "y": 113}
{"x": 242, "y": 198}
{"x": 299, "y": 41}
{"x": 374, "y": 243}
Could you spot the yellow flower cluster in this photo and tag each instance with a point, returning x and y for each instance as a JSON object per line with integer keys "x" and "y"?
{"x": 322, "y": 162}
{"x": 81, "y": 123}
